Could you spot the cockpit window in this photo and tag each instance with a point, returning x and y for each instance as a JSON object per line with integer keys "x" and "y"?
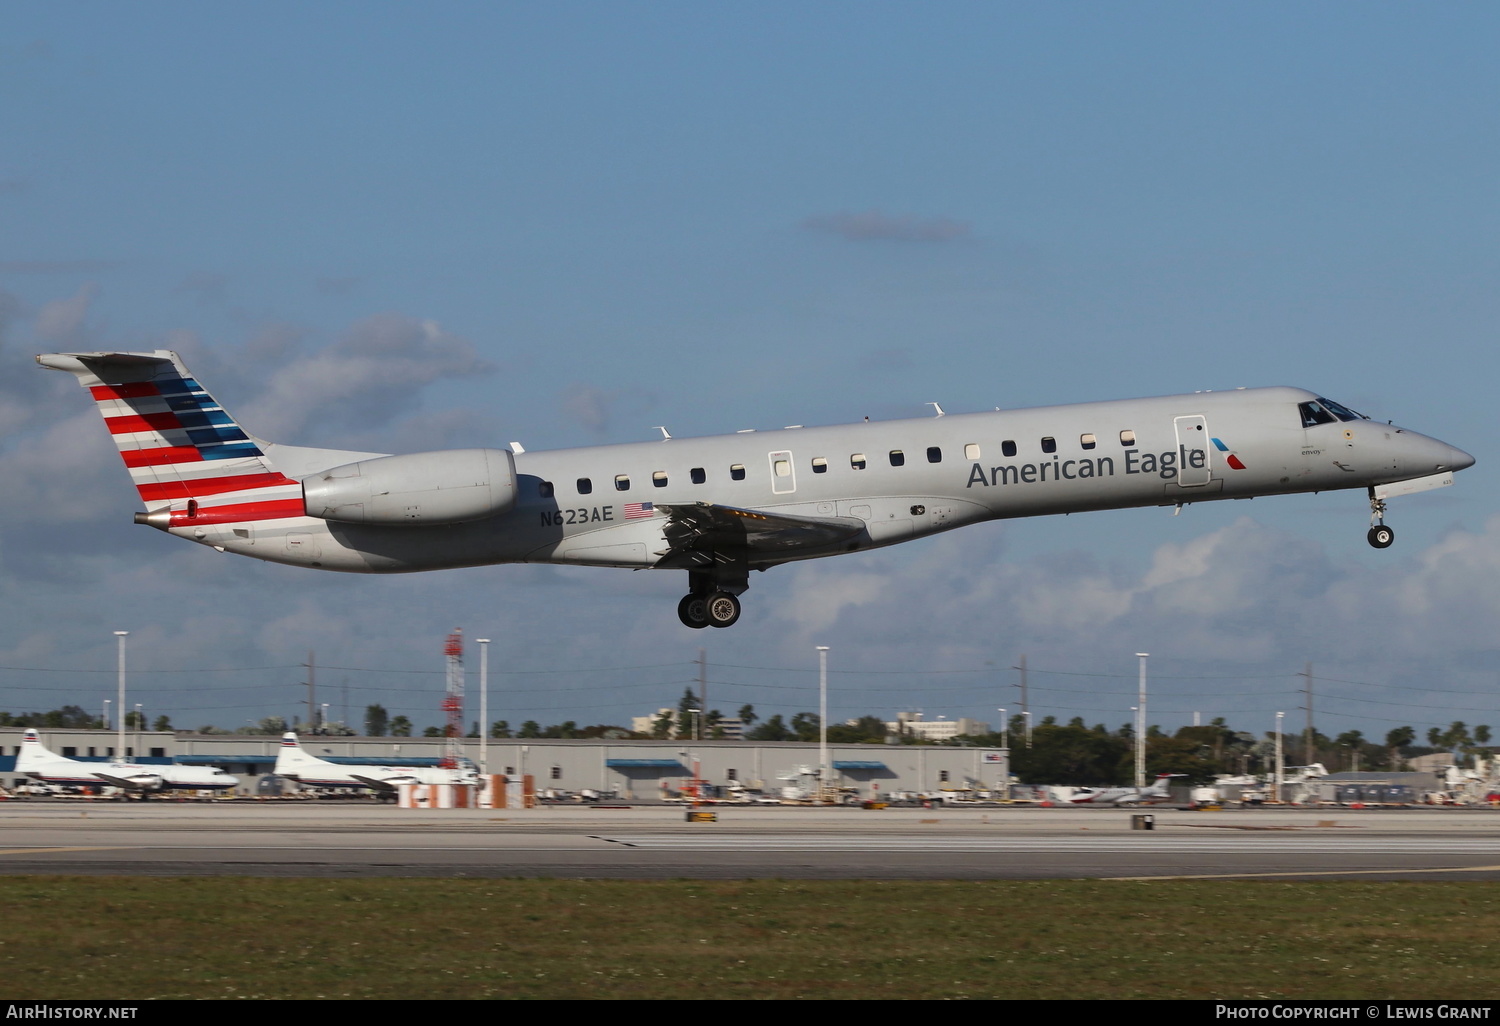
{"x": 1341, "y": 412}
{"x": 1313, "y": 414}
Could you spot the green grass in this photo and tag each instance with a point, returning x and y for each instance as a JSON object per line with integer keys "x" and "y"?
{"x": 141, "y": 937}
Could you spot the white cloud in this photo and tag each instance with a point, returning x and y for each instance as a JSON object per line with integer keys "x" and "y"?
{"x": 61, "y": 322}
{"x": 365, "y": 381}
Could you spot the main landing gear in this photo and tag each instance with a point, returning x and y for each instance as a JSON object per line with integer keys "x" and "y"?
{"x": 713, "y": 595}
{"x": 1380, "y": 536}
{"x": 716, "y": 609}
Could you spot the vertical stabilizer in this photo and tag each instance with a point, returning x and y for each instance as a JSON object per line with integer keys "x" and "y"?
{"x": 292, "y": 758}
{"x": 190, "y": 461}
{"x": 33, "y": 752}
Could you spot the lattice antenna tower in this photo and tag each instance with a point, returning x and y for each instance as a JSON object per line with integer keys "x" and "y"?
{"x": 453, "y": 701}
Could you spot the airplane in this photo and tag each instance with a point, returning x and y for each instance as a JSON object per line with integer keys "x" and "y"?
{"x": 38, "y": 762}
{"x": 1157, "y": 792}
{"x": 296, "y": 763}
{"x": 718, "y": 507}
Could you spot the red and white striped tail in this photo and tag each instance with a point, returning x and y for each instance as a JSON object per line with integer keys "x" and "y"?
{"x": 187, "y": 457}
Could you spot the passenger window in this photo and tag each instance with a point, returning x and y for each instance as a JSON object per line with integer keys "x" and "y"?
{"x": 820, "y": 465}
{"x": 934, "y": 454}
{"x": 737, "y": 472}
{"x": 971, "y": 451}
{"x": 544, "y": 489}
{"x": 857, "y": 461}
{"x": 585, "y": 486}
{"x": 898, "y": 458}
{"x": 1049, "y": 444}
{"x": 783, "y": 468}
{"x": 1008, "y": 448}
{"x": 1087, "y": 441}
{"x": 1127, "y": 438}
{"x": 698, "y": 474}
{"x": 659, "y": 479}
{"x": 622, "y": 482}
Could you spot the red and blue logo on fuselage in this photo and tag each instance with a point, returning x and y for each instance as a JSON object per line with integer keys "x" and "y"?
{"x": 1229, "y": 457}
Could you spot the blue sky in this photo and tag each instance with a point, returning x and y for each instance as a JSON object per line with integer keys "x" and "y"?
{"x": 582, "y": 220}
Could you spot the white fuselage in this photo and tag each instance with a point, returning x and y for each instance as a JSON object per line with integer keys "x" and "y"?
{"x": 896, "y": 480}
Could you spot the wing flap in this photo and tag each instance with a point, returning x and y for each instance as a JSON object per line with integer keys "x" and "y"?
{"x": 705, "y": 527}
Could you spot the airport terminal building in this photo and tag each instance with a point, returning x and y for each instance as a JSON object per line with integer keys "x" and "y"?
{"x": 629, "y": 769}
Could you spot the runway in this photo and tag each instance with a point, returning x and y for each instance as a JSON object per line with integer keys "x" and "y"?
{"x": 331, "y": 840}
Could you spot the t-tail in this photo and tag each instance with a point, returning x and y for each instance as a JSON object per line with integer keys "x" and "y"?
{"x": 190, "y": 461}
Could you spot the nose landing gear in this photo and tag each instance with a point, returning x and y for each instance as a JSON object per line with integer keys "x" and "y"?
{"x": 1380, "y": 535}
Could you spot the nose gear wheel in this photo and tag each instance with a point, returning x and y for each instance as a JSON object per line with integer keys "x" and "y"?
{"x": 1380, "y": 536}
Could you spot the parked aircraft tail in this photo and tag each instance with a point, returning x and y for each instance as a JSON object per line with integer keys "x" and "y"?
{"x": 32, "y": 751}
{"x": 190, "y": 461}
{"x": 292, "y": 757}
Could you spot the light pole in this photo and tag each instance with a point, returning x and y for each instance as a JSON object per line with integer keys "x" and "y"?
{"x": 105, "y": 721}
{"x": 1004, "y": 731}
{"x": 120, "y": 637}
{"x": 140, "y": 725}
{"x": 822, "y": 721}
{"x": 1140, "y": 732}
{"x": 1135, "y": 721}
{"x": 484, "y": 709}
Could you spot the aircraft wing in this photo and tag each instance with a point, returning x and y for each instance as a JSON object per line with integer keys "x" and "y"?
{"x": 130, "y": 781}
{"x": 694, "y": 532}
{"x": 382, "y": 783}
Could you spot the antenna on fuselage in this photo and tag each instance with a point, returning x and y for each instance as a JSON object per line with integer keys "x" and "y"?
{"x": 935, "y": 406}
{"x": 665, "y": 434}
{"x": 517, "y": 448}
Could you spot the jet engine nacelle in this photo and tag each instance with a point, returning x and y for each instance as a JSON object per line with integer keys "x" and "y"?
{"x": 416, "y": 489}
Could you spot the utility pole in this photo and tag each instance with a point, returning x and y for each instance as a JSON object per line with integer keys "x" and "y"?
{"x": 702, "y": 690}
{"x": 1025, "y": 706}
{"x": 1277, "y": 793}
{"x": 1307, "y": 741}
{"x": 312, "y": 708}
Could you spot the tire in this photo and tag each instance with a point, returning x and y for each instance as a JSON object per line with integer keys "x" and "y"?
{"x": 723, "y": 609}
{"x": 1381, "y": 536}
{"x": 693, "y": 612}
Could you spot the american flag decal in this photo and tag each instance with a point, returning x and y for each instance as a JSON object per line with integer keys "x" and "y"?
{"x": 636, "y": 510}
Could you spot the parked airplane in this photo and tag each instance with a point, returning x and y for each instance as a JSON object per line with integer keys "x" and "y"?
{"x": 1157, "y": 792}
{"x": 722, "y": 506}
{"x": 296, "y": 763}
{"x": 39, "y": 762}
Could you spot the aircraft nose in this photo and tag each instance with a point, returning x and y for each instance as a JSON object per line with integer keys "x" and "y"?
{"x": 1442, "y": 457}
{"x": 1459, "y": 460}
